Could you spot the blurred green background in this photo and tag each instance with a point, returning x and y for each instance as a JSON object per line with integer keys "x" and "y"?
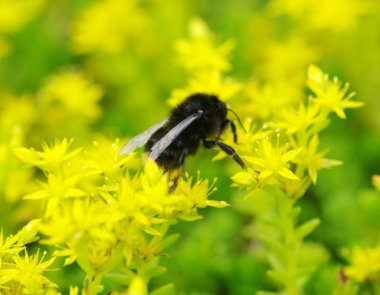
{"x": 275, "y": 41}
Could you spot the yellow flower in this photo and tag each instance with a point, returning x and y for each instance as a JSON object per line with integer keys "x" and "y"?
{"x": 103, "y": 158}
{"x": 5, "y": 47}
{"x": 364, "y": 263}
{"x": 273, "y": 160}
{"x": 14, "y": 14}
{"x": 247, "y": 138}
{"x": 77, "y": 222}
{"x": 56, "y": 189}
{"x": 137, "y": 287}
{"x": 17, "y": 111}
{"x": 51, "y": 158}
{"x": 330, "y": 94}
{"x": 286, "y": 61}
{"x": 313, "y": 160}
{"x": 320, "y": 15}
{"x": 17, "y": 115}
{"x": 295, "y": 120}
{"x": 73, "y": 91}
{"x": 270, "y": 167}
{"x": 9, "y": 246}
{"x": 28, "y": 271}
{"x": 262, "y": 101}
{"x": 29, "y": 232}
{"x": 210, "y": 82}
{"x": 199, "y": 53}
{"x": 376, "y": 181}
{"x": 206, "y": 62}
{"x": 198, "y": 192}
{"x": 245, "y": 178}
{"x": 107, "y": 26}
{"x": 74, "y": 290}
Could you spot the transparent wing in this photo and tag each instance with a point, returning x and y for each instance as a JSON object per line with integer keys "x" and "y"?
{"x": 165, "y": 141}
{"x": 141, "y": 139}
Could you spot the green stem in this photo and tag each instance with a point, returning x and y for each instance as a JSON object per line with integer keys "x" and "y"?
{"x": 290, "y": 243}
{"x": 93, "y": 285}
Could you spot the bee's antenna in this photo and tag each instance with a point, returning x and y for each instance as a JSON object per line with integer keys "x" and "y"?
{"x": 238, "y": 119}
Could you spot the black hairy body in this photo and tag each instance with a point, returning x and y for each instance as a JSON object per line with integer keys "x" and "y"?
{"x": 206, "y": 129}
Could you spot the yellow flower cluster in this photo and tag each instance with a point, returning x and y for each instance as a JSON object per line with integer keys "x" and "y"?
{"x": 106, "y": 26}
{"x": 13, "y": 15}
{"x": 101, "y": 215}
{"x": 296, "y": 130}
{"x": 322, "y": 14}
{"x": 278, "y": 139}
{"x": 206, "y": 62}
{"x": 21, "y": 273}
{"x": 66, "y": 104}
{"x": 17, "y": 115}
{"x": 74, "y": 92}
{"x": 364, "y": 263}
{"x": 330, "y": 95}
{"x": 199, "y": 53}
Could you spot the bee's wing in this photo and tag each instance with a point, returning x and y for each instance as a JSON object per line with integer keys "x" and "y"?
{"x": 165, "y": 141}
{"x": 141, "y": 139}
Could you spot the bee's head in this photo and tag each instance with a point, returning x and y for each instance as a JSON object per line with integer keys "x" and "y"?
{"x": 218, "y": 107}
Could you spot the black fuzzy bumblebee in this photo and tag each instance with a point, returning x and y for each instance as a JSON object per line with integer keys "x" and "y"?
{"x": 201, "y": 118}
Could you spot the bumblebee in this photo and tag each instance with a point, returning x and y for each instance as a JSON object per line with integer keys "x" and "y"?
{"x": 200, "y": 119}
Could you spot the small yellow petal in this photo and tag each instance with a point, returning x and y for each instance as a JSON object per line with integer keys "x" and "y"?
{"x": 352, "y": 104}
{"x": 255, "y": 161}
{"x": 340, "y": 113}
{"x": 137, "y": 287}
{"x": 265, "y": 174}
{"x": 217, "y": 204}
{"x": 287, "y": 174}
{"x": 28, "y": 156}
{"x": 313, "y": 175}
{"x": 243, "y": 178}
{"x": 37, "y": 195}
{"x": 75, "y": 192}
{"x": 376, "y": 181}
{"x": 291, "y": 154}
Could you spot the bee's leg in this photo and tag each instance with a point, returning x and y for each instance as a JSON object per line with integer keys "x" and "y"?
{"x": 233, "y": 128}
{"x": 174, "y": 184}
{"x": 173, "y": 177}
{"x": 225, "y": 148}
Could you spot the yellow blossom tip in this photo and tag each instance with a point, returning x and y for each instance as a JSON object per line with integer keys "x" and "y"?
{"x": 376, "y": 181}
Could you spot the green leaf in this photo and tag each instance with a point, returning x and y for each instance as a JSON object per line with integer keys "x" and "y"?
{"x": 276, "y": 263}
{"x": 305, "y": 271}
{"x": 275, "y": 246}
{"x": 295, "y": 212}
{"x": 150, "y": 269}
{"x": 83, "y": 259}
{"x": 166, "y": 242}
{"x": 154, "y": 272}
{"x": 164, "y": 290}
{"x": 277, "y": 276}
{"x": 123, "y": 279}
{"x": 305, "y": 229}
